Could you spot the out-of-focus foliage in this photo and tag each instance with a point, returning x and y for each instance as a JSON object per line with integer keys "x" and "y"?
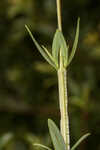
{"x": 28, "y": 85}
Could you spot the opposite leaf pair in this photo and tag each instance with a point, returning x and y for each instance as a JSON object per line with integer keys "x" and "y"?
{"x": 59, "y": 44}
{"x": 57, "y": 139}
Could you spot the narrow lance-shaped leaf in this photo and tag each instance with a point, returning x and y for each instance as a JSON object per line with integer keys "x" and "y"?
{"x": 64, "y": 49}
{"x": 56, "y": 136}
{"x": 42, "y": 146}
{"x": 56, "y": 46}
{"x": 75, "y": 43}
{"x": 45, "y": 55}
{"x": 59, "y": 43}
{"x": 80, "y": 140}
{"x": 50, "y": 56}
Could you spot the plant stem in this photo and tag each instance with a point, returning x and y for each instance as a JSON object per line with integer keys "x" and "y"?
{"x": 59, "y": 14}
{"x": 63, "y": 100}
{"x": 62, "y": 83}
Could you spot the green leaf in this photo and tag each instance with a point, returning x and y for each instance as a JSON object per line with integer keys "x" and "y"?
{"x": 64, "y": 49}
{"x": 59, "y": 43}
{"x": 56, "y": 136}
{"x": 45, "y": 55}
{"x": 50, "y": 56}
{"x": 80, "y": 140}
{"x": 42, "y": 146}
{"x": 56, "y": 46}
{"x": 75, "y": 43}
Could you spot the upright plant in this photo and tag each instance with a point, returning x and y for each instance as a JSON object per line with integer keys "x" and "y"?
{"x": 60, "y": 60}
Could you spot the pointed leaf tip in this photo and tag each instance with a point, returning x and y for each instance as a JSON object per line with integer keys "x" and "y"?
{"x": 45, "y": 54}
{"x": 59, "y": 44}
{"x": 80, "y": 140}
{"x": 42, "y": 146}
{"x": 75, "y": 43}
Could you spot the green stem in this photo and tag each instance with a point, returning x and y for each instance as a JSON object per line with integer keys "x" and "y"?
{"x": 62, "y": 83}
{"x": 63, "y": 100}
{"x": 59, "y": 14}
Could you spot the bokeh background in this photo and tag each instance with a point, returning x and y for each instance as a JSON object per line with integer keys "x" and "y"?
{"x": 28, "y": 84}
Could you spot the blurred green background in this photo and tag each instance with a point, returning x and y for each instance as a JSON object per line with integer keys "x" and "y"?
{"x": 28, "y": 84}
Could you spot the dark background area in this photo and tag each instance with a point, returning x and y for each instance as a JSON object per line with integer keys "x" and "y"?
{"x": 28, "y": 84}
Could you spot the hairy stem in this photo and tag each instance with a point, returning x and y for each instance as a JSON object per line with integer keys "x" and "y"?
{"x": 63, "y": 100}
{"x": 62, "y": 83}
